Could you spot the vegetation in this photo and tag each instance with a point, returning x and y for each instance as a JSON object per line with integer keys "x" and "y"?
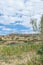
{"x": 42, "y": 28}
{"x": 21, "y": 54}
{"x": 0, "y": 39}
{"x": 27, "y": 53}
{"x": 40, "y": 51}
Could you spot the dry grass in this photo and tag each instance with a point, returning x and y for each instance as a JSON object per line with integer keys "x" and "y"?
{"x": 20, "y": 54}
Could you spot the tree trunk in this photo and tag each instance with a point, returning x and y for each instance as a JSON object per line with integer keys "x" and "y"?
{"x": 42, "y": 28}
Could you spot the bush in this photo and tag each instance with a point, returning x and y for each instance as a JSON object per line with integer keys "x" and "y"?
{"x": 40, "y": 51}
{"x": 0, "y": 39}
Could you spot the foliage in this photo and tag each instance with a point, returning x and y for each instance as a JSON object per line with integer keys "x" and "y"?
{"x": 0, "y": 39}
{"x": 40, "y": 52}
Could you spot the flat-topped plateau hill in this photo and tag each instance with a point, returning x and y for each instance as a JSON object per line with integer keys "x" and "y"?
{"x": 16, "y": 38}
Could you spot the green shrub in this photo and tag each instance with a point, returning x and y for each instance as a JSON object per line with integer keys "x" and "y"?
{"x": 40, "y": 52}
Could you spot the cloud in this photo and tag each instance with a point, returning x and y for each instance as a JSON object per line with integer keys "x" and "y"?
{"x": 13, "y": 12}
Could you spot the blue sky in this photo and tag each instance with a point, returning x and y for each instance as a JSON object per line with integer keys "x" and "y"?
{"x": 15, "y": 15}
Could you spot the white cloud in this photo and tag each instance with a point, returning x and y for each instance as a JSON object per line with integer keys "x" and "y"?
{"x": 27, "y": 9}
{"x": 4, "y": 28}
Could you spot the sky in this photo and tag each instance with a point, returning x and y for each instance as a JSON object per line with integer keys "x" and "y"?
{"x": 15, "y": 15}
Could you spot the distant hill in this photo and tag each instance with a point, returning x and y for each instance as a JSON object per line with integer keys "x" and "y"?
{"x": 20, "y": 38}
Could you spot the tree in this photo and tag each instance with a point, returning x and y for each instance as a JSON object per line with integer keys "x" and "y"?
{"x": 34, "y": 24}
{"x": 42, "y": 28}
{"x": 35, "y": 28}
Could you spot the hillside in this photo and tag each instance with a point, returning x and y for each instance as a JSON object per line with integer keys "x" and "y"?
{"x": 22, "y": 38}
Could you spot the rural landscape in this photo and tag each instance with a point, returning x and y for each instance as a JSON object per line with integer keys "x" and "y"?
{"x": 21, "y": 32}
{"x": 21, "y": 49}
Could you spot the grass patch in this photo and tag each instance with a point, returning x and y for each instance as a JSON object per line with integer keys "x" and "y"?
{"x": 15, "y": 49}
{"x": 6, "y": 51}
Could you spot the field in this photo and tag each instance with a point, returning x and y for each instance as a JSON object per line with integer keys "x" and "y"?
{"x": 21, "y": 54}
